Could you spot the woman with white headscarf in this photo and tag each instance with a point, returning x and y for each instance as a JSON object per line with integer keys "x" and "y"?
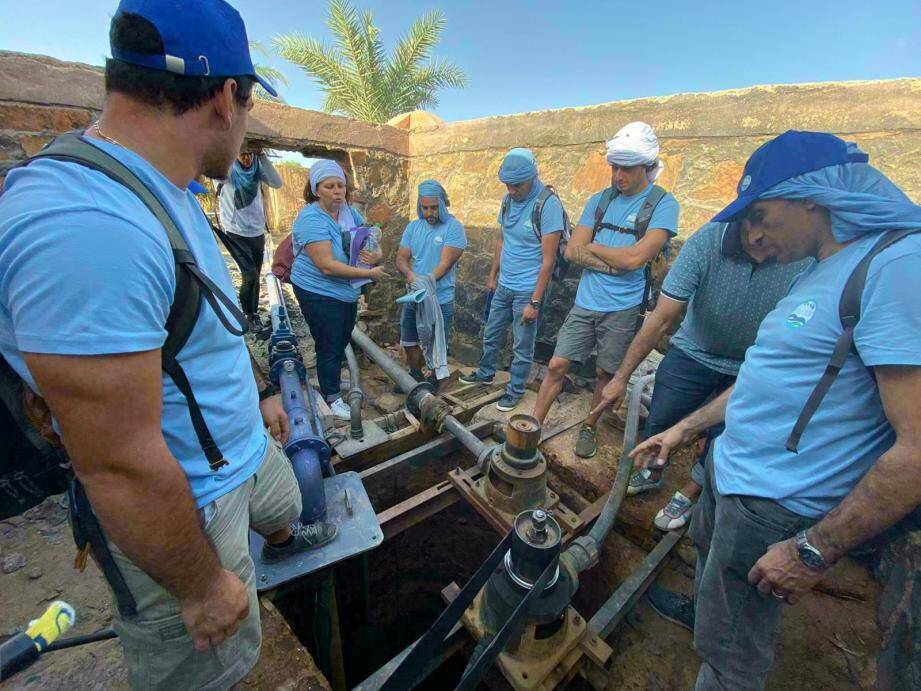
{"x": 321, "y": 274}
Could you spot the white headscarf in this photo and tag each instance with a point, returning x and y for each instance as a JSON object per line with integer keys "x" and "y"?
{"x": 636, "y": 145}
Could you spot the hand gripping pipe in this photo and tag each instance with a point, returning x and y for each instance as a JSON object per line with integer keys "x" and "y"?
{"x": 306, "y": 447}
{"x": 583, "y": 552}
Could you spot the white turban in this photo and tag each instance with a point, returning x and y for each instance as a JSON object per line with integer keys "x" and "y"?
{"x": 636, "y": 145}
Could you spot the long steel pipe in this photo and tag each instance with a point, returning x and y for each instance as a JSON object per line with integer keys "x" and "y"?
{"x": 356, "y": 395}
{"x": 379, "y": 357}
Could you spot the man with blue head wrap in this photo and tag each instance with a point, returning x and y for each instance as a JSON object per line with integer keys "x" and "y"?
{"x": 431, "y": 246}
{"x": 520, "y": 273}
{"x": 797, "y": 480}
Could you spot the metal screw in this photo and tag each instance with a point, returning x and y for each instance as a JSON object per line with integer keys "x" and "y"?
{"x": 263, "y": 578}
{"x": 289, "y": 366}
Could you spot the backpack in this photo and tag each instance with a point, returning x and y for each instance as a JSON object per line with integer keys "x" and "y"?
{"x": 561, "y": 266}
{"x": 849, "y": 313}
{"x": 284, "y": 256}
{"x": 40, "y": 467}
{"x": 656, "y": 194}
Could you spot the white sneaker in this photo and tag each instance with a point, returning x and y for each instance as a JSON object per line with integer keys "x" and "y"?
{"x": 676, "y": 513}
{"x": 340, "y": 409}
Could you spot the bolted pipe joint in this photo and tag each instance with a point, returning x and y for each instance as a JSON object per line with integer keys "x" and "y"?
{"x": 582, "y": 554}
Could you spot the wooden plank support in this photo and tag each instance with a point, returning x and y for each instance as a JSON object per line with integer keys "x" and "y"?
{"x": 417, "y": 508}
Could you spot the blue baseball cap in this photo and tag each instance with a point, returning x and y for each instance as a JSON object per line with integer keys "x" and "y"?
{"x": 201, "y": 38}
{"x": 792, "y": 153}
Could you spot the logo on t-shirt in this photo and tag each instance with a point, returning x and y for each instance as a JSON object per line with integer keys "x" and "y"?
{"x": 801, "y": 314}
{"x": 631, "y": 220}
{"x": 439, "y": 240}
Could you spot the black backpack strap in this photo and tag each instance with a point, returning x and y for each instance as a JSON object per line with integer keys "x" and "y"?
{"x": 645, "y": 215}
{"x": 849, "y": 312}
{"x": 191, "y": 283}
{"x": 606, "y": 198}
{"x": 502, "y": 211}
{"x": 538, "y": 209}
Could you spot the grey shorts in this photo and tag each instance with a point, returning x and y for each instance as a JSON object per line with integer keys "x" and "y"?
{"x": 158, "y": 650}
{"x": 609, "y": 332}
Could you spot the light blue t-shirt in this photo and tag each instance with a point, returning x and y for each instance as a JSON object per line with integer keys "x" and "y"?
{"x": 522, "y": 256}
{"x": 315, "y": 225}
{"x": 612, "y": 293}
{"x": 86, "y": 269}
{"x": 425, "y": 242}
{"x": 849, "y": 431}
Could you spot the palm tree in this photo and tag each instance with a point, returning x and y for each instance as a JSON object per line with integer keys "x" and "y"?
{"x": 270, "y": 74}
{"x": 359, "y": 78}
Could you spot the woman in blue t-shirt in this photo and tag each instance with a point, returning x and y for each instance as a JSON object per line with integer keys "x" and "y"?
{"x": 321, "y": 274}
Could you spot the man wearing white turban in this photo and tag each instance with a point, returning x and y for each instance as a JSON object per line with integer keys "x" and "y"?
{"x": 621, "y": 230}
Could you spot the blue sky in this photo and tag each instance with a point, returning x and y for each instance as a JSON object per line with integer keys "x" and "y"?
{"x": 524, "y": 56}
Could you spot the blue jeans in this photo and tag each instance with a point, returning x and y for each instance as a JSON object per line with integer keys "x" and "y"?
{"x": 408, "y": 334}
{"x": 682, "y": 386}
{"x": 507, "y": 308}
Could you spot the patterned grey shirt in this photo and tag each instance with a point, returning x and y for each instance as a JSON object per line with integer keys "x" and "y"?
{"x": 727, "y": 298}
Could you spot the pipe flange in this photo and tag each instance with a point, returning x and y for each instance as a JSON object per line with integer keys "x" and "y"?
{"x": 523, "y": 582}
{"x": 584, "y": 550}
{"x": 417, "y": 395}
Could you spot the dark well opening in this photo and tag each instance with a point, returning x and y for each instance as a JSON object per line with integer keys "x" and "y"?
{"x": 391, "y": 596}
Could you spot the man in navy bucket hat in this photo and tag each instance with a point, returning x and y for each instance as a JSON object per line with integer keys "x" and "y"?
{"x": 167, "y": 481}
{"x": 821, "y": 449}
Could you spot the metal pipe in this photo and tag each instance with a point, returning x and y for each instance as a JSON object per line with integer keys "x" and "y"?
{"x": 379, "y": 357}
{"x": 356, "y": 395}
{"x": 470, "y": 441}
{"x": 583, "y": 553}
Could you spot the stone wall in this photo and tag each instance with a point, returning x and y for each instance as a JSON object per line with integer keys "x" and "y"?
{"x": 705, "y": 140}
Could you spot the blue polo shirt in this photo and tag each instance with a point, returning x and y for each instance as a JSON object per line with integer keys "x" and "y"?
{"x": 612, "y": 293}
{"x": 315, "y": 225}
{"x": 849, "y": 431}
{"x": 425, "y": 243}
{"x": 727, "y": 297}
{"x": 522, "y": 256}
{"x": 86, "y": 269}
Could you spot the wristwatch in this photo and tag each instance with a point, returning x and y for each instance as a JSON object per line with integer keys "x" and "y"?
{"x": 269, "y": 391}
{"x": 808, "y": 553}
{"x": 535, "y": 304}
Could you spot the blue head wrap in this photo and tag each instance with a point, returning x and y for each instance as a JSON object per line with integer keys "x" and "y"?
{"x": 245, "y": 182}
{"x": 859, "y": 198}
{"x": 322, "y": 169}
{"x": 518, "y": 166}
{"x": 431, "y": 188}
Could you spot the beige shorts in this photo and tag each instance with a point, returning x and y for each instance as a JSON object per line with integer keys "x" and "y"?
{"x": 158, "y": 650}
{"x": 608, "y": 332}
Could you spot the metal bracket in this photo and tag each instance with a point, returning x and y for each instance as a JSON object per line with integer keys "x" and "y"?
{"x": 359, "y": 531}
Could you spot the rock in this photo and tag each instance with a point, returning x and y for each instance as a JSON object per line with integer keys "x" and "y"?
{"x": 35, "y": 573}
{"x": 12, "y": 562}
{"x": 389, "y": 403}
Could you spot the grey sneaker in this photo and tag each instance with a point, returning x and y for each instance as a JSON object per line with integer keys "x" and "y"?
{"x": 586, "y": 447}
{"x": 677, "y": 608}
{"x": 676, "y": 513}
{"x": 306, "y": 537}
{"x": 508, "y": 402}
{"x": 472, "y": 378}
{"x": 643, "y": 482}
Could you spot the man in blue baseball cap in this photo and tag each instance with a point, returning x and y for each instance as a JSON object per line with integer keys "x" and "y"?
{"x": 87, "y": 281}
{"x": 821, "y": 449}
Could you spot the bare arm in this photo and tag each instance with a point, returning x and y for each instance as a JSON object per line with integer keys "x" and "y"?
{"x": 577, "y": 252}
{"x": 635, "y": 256}
{"x": 889, "y": 491}
{"x": 404, "y": 263}
{"x": 321, "y": 254}
{"x": 447, "y": 259}
{"x": 267, "y": 172}
{"x": 663, "y": 318}
{"x": 654, "y": 452}
{"x": 112, "y": 433}
{"x": 493, "y": 279}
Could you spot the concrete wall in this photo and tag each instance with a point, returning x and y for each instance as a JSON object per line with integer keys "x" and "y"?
{"x": 705, "y": 140}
